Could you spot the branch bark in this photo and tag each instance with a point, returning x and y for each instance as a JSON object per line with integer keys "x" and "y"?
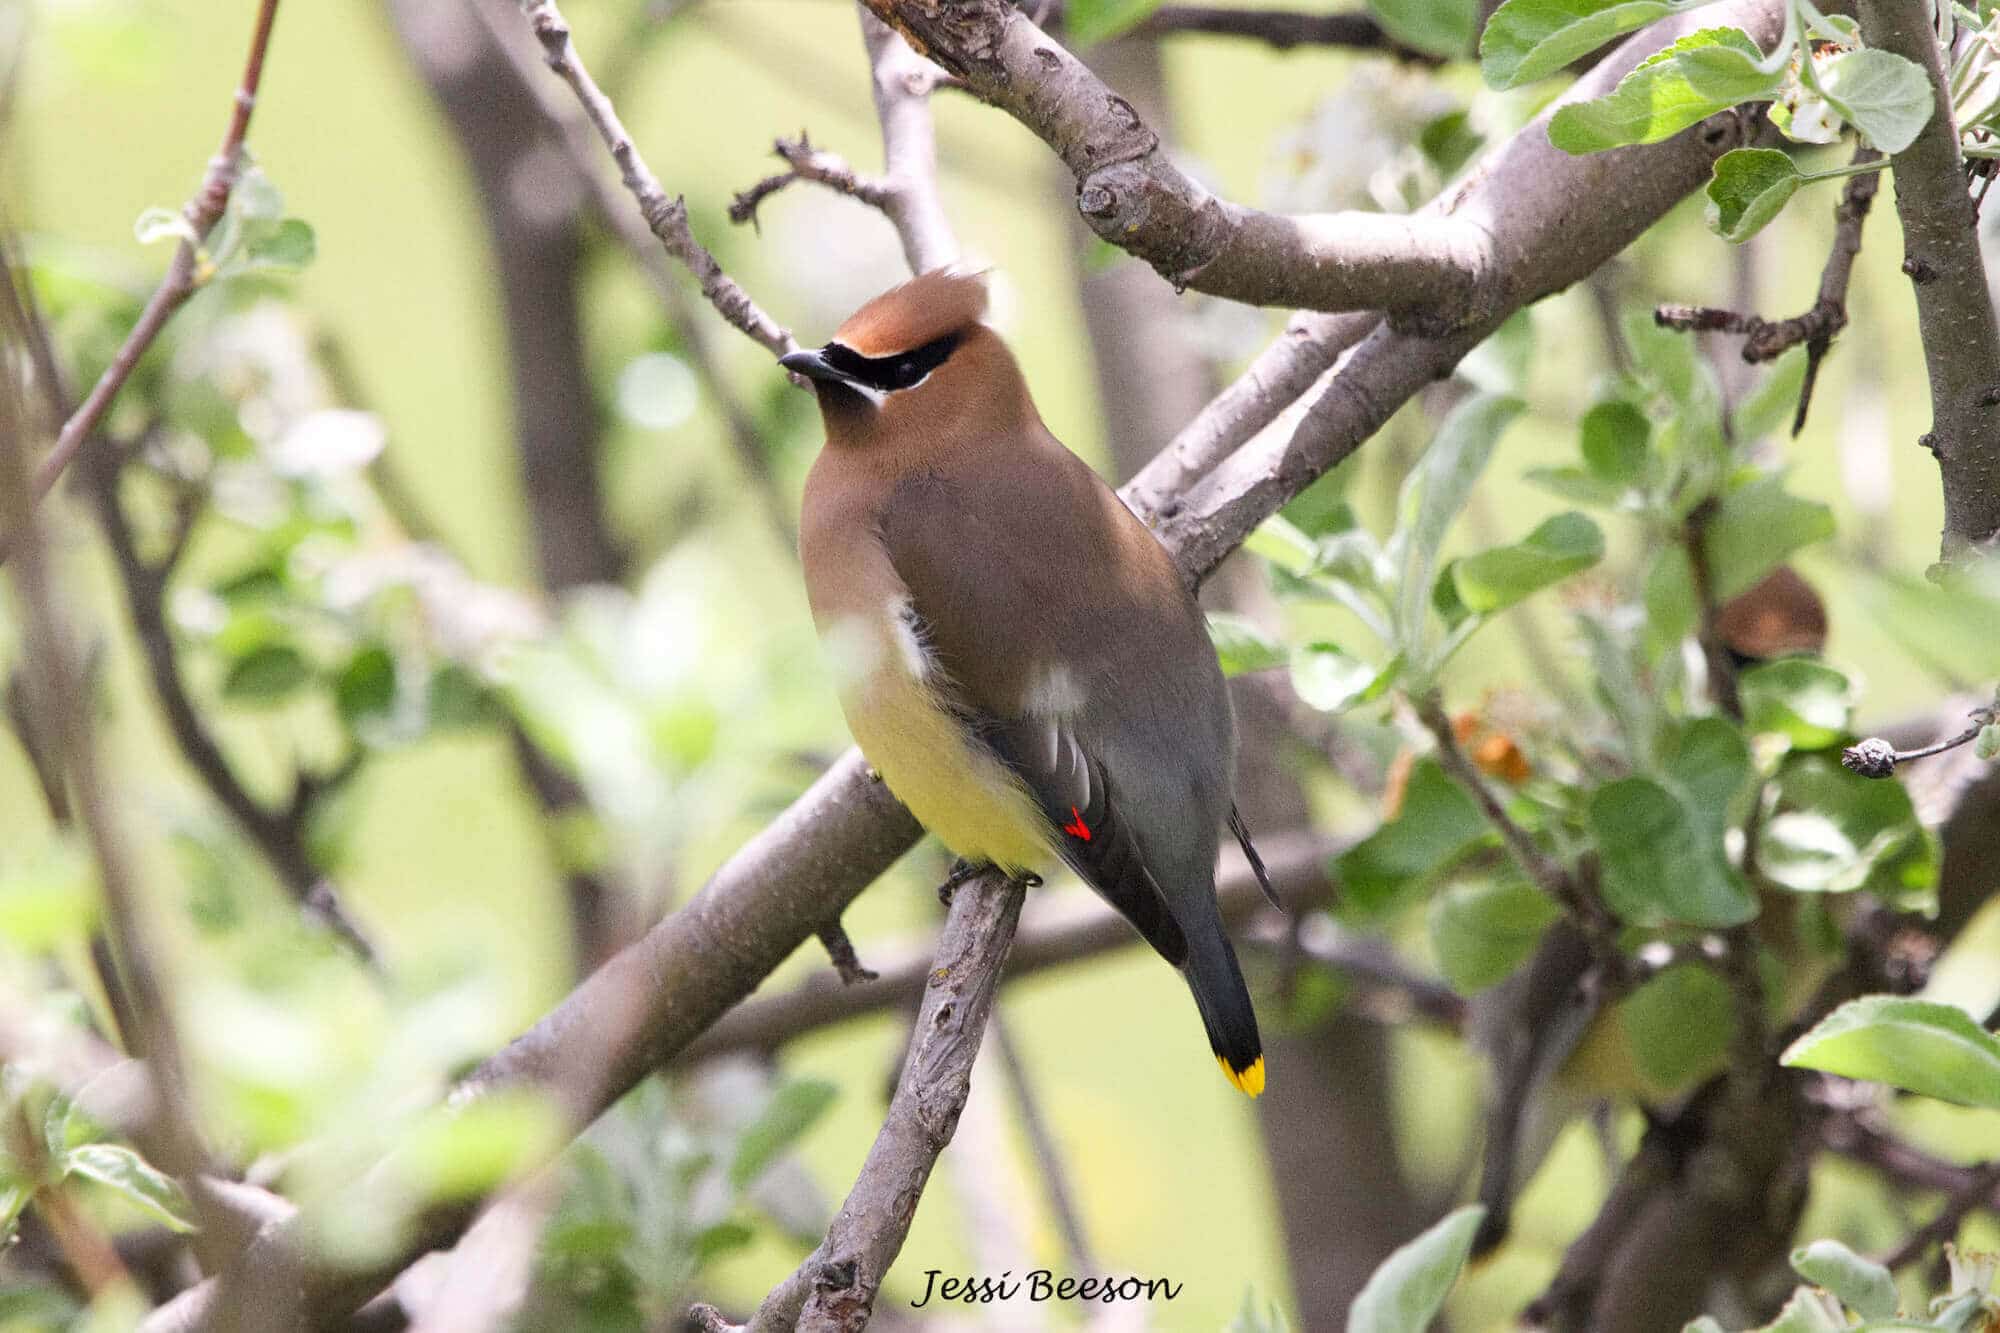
{"x": 834, "y": 1289}
{"x": 1954, "y": 308}
{"x": 665, "y": 218}
{"x": 184, "y": 274}
{"x": 1433, "y": 269}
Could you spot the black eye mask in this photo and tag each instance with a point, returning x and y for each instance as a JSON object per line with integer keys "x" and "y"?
{"x": 889, "y": 373}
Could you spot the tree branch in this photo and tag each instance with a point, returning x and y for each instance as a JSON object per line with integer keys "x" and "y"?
{"x": 1284, "y": 29}
{"x": 834, "y": 1289}
{"x": 1430, "y": 267}
{"x": 573, "y": 134}
{"x": 1766, "y": 339}
{"x": 279, "y": 834}
{"x": 666, "y": 218}
{"x": 185, "y": 273}
{"x": 1954, "y": 308}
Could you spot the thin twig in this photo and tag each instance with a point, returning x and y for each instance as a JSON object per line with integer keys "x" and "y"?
{"x": 573, "y": 135}
{"x": 840, "y": 951}
{"x": 1877, "y": 758}
{"x": 279, "y": 833}
{"x": 1975, "y": 1194}
{"x": 1549, "y": 874}
{"x": 666, "y": 218}
{"x": 1766, "y": 339}
{"x": 185, "y": 274}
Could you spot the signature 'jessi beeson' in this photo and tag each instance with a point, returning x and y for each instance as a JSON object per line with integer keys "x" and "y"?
{"x": 1041, "y": 1284}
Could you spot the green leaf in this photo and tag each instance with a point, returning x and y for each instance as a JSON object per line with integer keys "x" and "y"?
{"x": 1932, "y": 1049}
{"x": 1328, "y": 677}
{"x": 1441, "y": 27}
{"x": 1862, "y": 1285}
{"x": 1679, "y": 1025}
{"x": 1433, "y": 495}
{"x": 1436, "y": 825}
{"x": 1092, "y": 21}
{"x": 123, "y": 1171}
{"x": 725, "y": 1237}
{"x": 289, "y": 245}
{"x": 1709, "y": 762}
{"x": 1749, "y": 187}
{"x": 1883, "y": 95}
{"x": 1526, "y": 40}
{"x": 1806, "y": 701}
{"x": 1671, "y": 613}
{"x": 1986, "y": 745}
{"x": 1836, "y": 832}
{"x": 1755, "y": 527}
{"x": 1500, "y": 577}
{"x": 1699, "y": 75}
{"x": 467, "y": 1152}
{"x": 1408, "y": 1290}
{"x": 365, "y": 689}
{"x": 1660, "y": 862}
{"x": 1242, "y": 645}
{"x": 1284, "y": 545}
{"x": 1615, "y": 440}
{"x": 457, "y": 698}
{"x": 1481, "y": 931}
{"x": 1576, "y": 485}
{"x": 791, "y": 1111}
{"x": 266, "y": 674}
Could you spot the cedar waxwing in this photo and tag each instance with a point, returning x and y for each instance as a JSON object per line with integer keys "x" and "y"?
{"x": 1033, "y": 679}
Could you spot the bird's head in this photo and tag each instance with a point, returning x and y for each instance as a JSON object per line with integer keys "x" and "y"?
{"x": 916, "y": 358}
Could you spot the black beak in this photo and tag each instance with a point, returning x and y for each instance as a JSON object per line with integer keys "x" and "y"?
{"x": 812, "y": 363}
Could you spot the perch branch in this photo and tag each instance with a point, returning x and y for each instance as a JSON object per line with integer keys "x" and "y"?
{"x": 834, "y": 1289}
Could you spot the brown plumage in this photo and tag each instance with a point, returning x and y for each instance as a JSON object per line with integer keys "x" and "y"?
{"x": 1023, "y": 663}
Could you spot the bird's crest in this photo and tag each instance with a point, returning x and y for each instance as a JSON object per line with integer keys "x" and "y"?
{"x": 941, "y": 302}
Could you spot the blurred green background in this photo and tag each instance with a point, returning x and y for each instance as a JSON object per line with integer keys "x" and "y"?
{"x": 119, "y": 104}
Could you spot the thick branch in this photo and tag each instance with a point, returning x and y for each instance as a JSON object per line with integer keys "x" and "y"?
{"x": 185, "y": 273}
{"x": 1131, "y": 194}
{"x": 1954, "y": 307}
{"x": 1524, "y": 197}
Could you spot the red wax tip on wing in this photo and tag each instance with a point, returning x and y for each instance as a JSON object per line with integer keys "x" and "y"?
{"x": 1076, "y": 828}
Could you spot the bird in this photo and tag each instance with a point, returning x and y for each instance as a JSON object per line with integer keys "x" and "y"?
{"x": 1025, "y": 666}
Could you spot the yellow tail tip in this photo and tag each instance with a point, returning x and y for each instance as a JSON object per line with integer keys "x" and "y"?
{"x": 1251, "y": 1080}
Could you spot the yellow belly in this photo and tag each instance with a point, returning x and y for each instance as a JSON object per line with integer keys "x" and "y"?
{"x": 957, "y": 790}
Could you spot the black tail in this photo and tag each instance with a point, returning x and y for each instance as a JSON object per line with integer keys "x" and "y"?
{"x": 1224, "y": 1001}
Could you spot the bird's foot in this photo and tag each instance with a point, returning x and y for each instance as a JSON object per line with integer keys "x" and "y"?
{"x": 961, "y": 871}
